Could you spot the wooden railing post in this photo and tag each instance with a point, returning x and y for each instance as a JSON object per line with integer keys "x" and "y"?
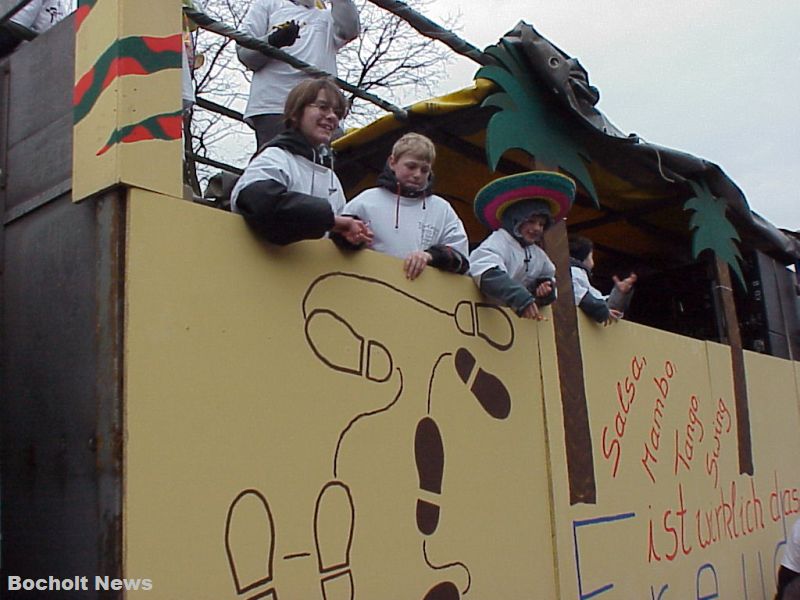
{"x": 730, "y": 334}
{"x": 578, "y": 436}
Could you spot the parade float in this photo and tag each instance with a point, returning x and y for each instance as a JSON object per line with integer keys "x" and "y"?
{"x": 190, "y": 408}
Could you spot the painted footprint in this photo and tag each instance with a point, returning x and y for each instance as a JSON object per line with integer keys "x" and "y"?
{"x": 250, "y": 543}
{"x": 488, "y": 390}
{"x": 443, "y": 591}
{"x": 334, "y": 341}
{"x": 334, "y": 518}
{"x": 429, "y": 455}
{"x": 486, "y": 321}
{"x": 333, "y": 292}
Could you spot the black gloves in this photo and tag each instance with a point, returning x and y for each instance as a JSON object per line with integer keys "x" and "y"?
{"x": 285, "y": 34}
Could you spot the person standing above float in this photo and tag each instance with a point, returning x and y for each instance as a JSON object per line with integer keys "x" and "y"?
{"x": 37, "y": 16}
{"x": 509, "y": 266}
{"x": 307, "y": 30}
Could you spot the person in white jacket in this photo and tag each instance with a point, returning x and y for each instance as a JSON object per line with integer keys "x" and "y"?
{"x": 38, "y": 16}
{"x": 602, "y": 308}
{"x": 287, "y": 193}
{"x": 789, "y": 571}
{"x": 408, "y": 221}
{"x": 307, "y": 30}
{"x": 509, "y": 266}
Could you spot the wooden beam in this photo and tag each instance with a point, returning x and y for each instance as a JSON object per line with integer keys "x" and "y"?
{"x": 731, "y": 335}
{"x": 577, "y": 433}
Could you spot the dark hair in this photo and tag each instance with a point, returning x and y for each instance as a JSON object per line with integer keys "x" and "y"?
{"x": 306, "y": 92}
{"x": 580, "y": 247}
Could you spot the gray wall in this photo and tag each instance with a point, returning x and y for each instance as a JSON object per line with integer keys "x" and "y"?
{"x": 60, "y": 416}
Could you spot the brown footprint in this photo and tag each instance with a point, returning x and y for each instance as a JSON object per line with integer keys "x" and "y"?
{"x": 429, "y": 455}
{"x": 334, "y": 520}
{"x": 443, "y": 591}
{"x": 487, "y": 388}
{"x": 250, "y": 520}
{"x": 487, "y": 321}
{"x": 343, "y": 349}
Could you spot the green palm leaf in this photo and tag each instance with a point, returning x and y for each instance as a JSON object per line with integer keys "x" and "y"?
{"x": 712, "y": 229}
{"x": 526, "y": 120}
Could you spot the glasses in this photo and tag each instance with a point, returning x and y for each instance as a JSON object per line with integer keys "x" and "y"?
{"x": 327, "y": 109}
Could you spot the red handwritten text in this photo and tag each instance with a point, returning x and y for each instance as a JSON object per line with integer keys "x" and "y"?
{"x": 783, "y": 502}
{"x": 652, "y": 445}
{"x": 694, "y": 435}
{"x": 674, "y": 525}
{"x": 626, "y": 394}
{"x": 722, "y": 425}
{"x": 732, "y": 518}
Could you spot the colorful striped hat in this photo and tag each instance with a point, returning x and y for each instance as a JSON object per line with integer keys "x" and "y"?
{"x": 495, "y": 197}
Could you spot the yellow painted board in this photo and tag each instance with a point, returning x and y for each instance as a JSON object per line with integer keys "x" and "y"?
{"x": 127, "y": 102}
{"x": 797, "y": 383}
{"x": 277, "y": 394}
{"x": 674, "y": 517}
{"x": 276, "y": 376}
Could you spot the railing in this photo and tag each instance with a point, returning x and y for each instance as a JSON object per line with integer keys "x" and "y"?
{"x": 417, "y": 21}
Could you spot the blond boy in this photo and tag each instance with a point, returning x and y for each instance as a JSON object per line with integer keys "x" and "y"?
{"x": 408, "y": 221}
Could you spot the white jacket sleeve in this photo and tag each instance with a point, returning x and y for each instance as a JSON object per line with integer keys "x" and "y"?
{"x": 346, "y": 23}
{"x": 256, "y": 24}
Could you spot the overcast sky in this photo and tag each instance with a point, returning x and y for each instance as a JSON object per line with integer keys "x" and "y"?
{"x": 718, "y": 79}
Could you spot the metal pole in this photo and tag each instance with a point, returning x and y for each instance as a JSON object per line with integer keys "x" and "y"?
{"x": 219, "y": 109}
{"x": 214, "y": 163}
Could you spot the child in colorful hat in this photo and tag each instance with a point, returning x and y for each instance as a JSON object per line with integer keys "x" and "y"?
{"x": 509, "y": 266}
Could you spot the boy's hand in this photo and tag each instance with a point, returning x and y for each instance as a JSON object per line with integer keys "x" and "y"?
{"x": 544, "y": 289}
{"x": 353, "y": 230}
{"x": 415, "y": 264}
{"x": 625, "y": 285}
{"x": 532, "y": 312}
{"x": 614, "y": 315}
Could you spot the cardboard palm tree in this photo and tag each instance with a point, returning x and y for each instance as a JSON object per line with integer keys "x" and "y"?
{"x": 715, "y": 233}
{"x": 529, "y": 121}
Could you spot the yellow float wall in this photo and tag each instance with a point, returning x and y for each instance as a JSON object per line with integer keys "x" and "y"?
{"x": 281, "y": 404}
{"x": 674, "y": 517}
{"x": 295, "y": 380}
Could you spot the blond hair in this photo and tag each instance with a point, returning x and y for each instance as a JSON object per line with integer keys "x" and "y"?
{"x": 416, "y": 144}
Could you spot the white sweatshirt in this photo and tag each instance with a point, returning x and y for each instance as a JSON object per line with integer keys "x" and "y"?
{"x": 523, "y": 265}
{"x": 296, "y": 173}
{"x": 404, "y": 225}
{"x": 316, "y": 45}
